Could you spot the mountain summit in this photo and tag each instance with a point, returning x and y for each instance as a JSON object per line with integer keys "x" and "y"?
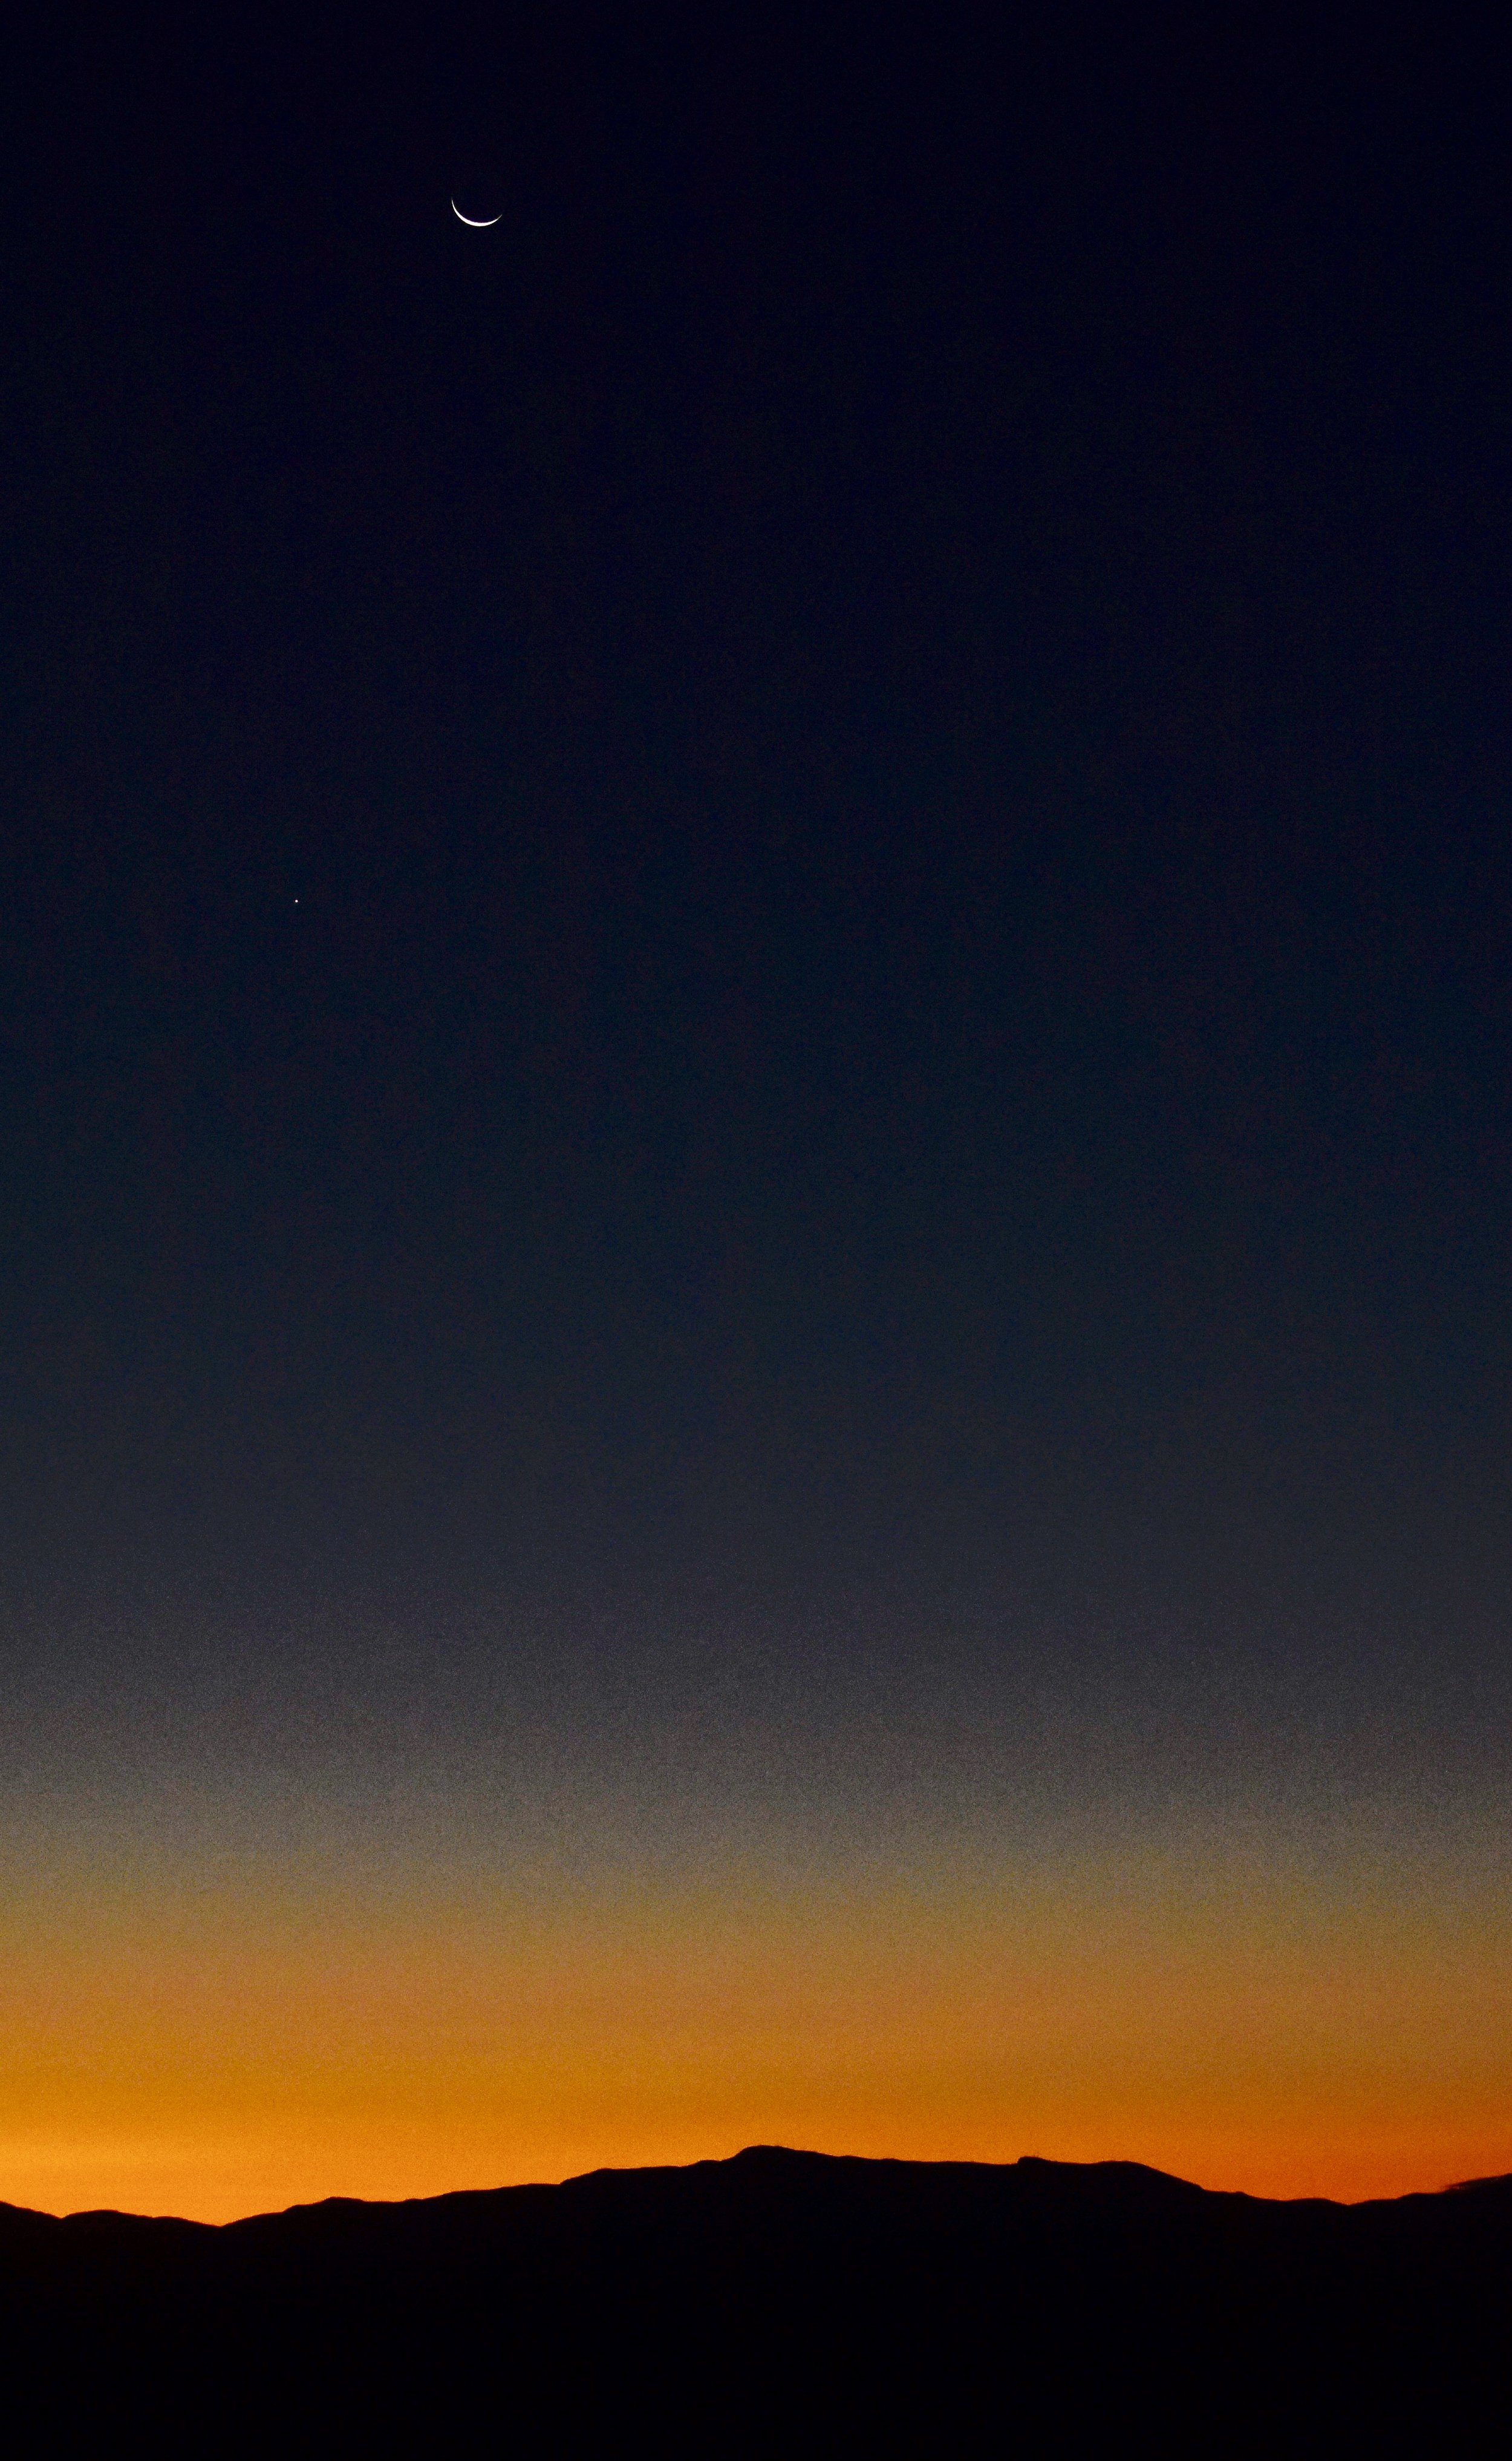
{"x": 735, "y": 2307}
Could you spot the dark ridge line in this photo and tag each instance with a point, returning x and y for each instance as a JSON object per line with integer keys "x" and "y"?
{"x": 1112, "y": 2170}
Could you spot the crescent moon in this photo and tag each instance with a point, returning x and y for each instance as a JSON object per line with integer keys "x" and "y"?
{"x": 468, "y": 219}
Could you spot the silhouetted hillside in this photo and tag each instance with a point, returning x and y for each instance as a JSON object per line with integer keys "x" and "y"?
{"x": 777, "y": 2299}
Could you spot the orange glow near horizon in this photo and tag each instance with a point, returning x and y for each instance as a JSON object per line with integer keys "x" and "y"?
{"x": 222, "y": 2050}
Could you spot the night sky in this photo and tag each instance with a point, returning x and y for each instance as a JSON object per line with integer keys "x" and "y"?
{"x": 755, "y": 1297}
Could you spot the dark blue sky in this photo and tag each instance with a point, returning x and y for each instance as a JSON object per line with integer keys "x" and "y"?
{"x": 775, "y": 903}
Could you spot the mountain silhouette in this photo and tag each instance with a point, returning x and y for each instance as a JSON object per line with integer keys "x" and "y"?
{"x": 778, "y": 2299}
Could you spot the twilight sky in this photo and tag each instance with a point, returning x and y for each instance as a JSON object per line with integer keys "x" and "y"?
{"x": 754, "y": 1295}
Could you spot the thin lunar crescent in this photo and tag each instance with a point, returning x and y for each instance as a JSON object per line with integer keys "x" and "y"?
{"x": 468, "y": 219}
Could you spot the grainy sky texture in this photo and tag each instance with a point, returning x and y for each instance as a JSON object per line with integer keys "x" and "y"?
{"x": 753, "y": 997}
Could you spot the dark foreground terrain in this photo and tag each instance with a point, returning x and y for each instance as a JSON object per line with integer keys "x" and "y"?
{"x": 776, "y": 2300}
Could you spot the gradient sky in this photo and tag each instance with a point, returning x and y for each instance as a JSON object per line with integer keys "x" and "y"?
{"x": 754, "y": 1291}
